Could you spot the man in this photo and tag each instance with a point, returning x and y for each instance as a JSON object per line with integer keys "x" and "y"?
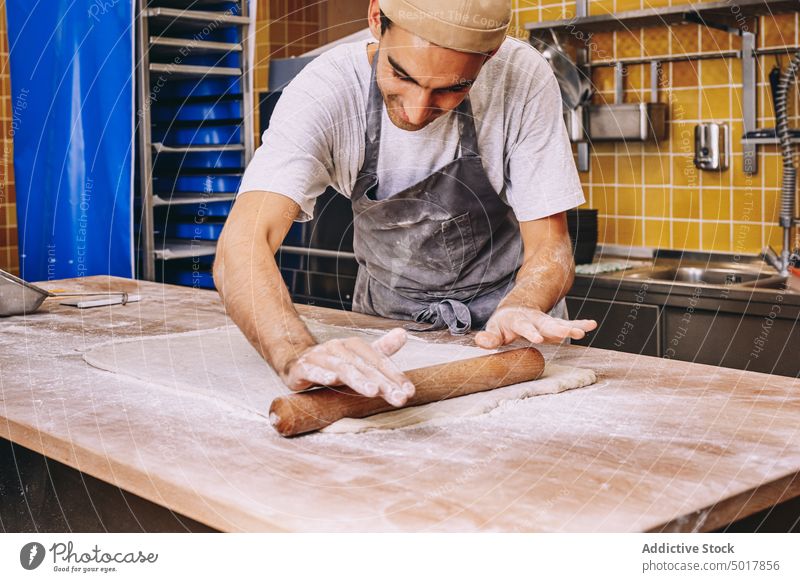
{"x": 449, "y": 140}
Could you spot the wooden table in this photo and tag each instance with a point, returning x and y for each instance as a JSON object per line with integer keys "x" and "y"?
{"x": 655, "y": 445}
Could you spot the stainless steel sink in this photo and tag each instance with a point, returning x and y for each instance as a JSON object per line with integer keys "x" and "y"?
{"x": 772, "y": 283}
{"x": 695, "y": 275}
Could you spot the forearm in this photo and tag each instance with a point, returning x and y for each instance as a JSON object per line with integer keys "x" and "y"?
{"x": 256, "y": 298}
{"x": 545, "y": 276}
{"x": 250, "y": 284}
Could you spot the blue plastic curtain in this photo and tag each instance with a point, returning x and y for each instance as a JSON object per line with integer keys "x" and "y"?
{"x": 73, "y": 122}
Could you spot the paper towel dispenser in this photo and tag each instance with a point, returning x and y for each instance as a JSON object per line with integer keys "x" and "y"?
{"x": 711, "y": 146}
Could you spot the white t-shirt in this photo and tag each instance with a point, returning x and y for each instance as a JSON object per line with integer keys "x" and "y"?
{"x": 316, "y": 135}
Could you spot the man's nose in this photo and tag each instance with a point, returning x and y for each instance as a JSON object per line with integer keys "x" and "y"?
{"x": 418, "y": 107}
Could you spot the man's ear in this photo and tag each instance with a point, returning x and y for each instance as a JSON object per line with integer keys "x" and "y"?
{"x": 374, "y": 18}
{"x": 491, "y": 54}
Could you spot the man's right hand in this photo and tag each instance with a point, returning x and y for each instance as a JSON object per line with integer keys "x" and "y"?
{"x": 364, "y": 367}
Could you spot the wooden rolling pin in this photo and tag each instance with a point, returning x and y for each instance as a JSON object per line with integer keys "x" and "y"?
{"x": 304, "y": 412}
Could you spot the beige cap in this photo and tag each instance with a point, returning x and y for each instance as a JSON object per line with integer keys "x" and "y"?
{"x": 474, "y": 26}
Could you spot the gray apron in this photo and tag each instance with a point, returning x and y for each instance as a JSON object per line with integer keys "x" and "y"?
{"x": 443, "y": 252}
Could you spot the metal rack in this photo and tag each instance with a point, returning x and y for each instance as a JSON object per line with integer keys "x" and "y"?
{"x": 195, "y": 134}
{"x": 726, "y": 15}
{"x": 728, "y": 11}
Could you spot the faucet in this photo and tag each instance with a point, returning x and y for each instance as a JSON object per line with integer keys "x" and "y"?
{"x": 788, "y": 219}
{"x": 769, "y": 256}
{"x": 782, "y": 262}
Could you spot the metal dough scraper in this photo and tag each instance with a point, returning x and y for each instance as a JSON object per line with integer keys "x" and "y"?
{"x": 18, "y": 297}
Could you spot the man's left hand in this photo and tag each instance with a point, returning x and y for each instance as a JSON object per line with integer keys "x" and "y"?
{"x": 511, "y": 323}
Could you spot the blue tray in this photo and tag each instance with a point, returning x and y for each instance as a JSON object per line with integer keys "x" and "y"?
{"x": 172, "y": 163}
{"x": 202, "y": 231}
{"x": 201, "y": 88}
{"x": 208, "y": 184}
{"x": 222, "y": 109}
{"x": 220, "y": 34}
{"x": 207, "y": 210}
{"x": 214, "y": 60}
{"x": 185, "y": 136}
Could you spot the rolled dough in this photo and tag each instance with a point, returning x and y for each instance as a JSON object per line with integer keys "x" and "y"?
{"x": 220, "y": 365}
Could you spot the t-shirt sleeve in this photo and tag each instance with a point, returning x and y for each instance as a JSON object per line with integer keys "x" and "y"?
{"x": 541, "y": 177}
{"x": 295, "y": 157}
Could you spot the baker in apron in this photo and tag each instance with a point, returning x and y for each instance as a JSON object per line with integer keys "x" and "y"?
{"x": 443, "y": 252}
{"x": 446, "y": 253}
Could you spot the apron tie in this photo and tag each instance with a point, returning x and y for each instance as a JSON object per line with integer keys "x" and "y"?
{"x": 448, "y": 313}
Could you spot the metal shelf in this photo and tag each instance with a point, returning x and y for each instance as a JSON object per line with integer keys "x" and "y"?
{"x": 177, "y": 19}
{"x": 167, "y": 172}
{"x": 162, "y": 32}
{"x": 198, "y": 123}
{"x": 766, "y": 140}
{"x": 715, "y": 11}
{"x": 194, "y": 100}
{"x": 184, "y": 198}
{"x": 160, "y": 148}
{"x": 188, "y": 71}
{"x": 173, "y": 249}
{"x": 186, "y": 4}
{"x": 725, "y": 15}
{"x": 164, "y": 46}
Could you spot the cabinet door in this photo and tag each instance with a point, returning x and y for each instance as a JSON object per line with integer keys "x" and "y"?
{"x": 744, "y": 342}
{"x": 625, "y": 327}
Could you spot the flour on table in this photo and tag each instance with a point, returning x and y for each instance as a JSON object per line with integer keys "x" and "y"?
{"x": 220, "y": 364}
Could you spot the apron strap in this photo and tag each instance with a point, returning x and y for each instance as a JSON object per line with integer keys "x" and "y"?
{"x": 466, "y": 128}
{"x": 372, "y": 144}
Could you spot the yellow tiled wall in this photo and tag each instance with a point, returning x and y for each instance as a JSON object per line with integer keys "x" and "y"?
{"x": 284, "y": 28}
{"x": 289, "y": 28}
{"x": 651, "y": 194}
{"x": 647, "y": 195}
{"x": 263, "y": 53}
